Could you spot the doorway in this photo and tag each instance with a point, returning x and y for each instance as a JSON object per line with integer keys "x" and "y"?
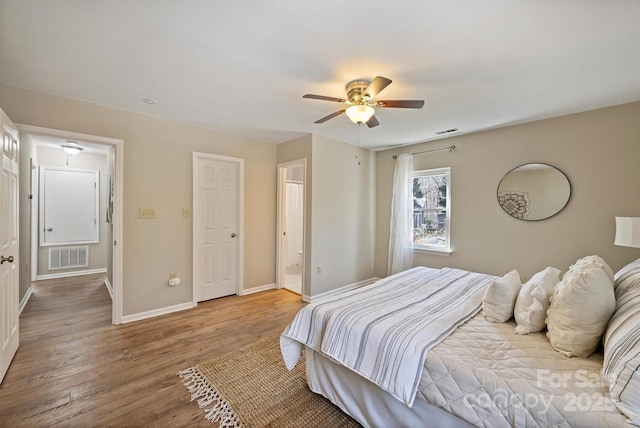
{"x": 291, "y": 226}
{"x": 107, "y": 153}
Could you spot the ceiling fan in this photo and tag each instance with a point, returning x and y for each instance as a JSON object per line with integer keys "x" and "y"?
{"x": 360, "y": 102}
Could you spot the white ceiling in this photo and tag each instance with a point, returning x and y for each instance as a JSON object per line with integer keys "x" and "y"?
{"x": 242, "y": 66}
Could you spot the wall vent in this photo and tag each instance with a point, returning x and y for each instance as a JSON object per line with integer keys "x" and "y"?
{"x": 447, "y": 131}
{"x": 68, "y": 257}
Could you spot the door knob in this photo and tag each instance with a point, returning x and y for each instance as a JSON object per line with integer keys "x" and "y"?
{"x": 233, "y": 235}
{"x": 6, "y": 259}
{"x": 49, "y": 229}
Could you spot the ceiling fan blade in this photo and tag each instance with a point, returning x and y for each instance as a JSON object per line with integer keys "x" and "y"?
{"x": 377, "y": 85}
{"x": 331, "y": 116}
{"x": 372, "y": 122}
{"x": 400, "y": 104}
{"x": 323, "y": 98}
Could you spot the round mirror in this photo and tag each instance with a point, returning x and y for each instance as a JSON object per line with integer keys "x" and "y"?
{"x": 534, "y": 191}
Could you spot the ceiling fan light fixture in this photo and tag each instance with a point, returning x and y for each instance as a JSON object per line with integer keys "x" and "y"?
{"x": 360, "y": 113}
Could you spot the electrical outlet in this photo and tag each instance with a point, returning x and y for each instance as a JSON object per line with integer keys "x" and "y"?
{"x": 319, "y": 270}
{"x": 173, "y": 275}
{"x": 186, "y": 212}
{"x": 523, "y": 279}
{"x": 147, "y": 213}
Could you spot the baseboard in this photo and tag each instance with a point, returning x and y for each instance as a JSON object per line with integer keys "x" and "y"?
{"x": 339, "y": 290}
{"x": 24, "y": 300}
{"x": 69, "y": 274}
{"x": 107, "y": 283}
{"x": 258, "y": 289}
{"x": 156, "y": 312}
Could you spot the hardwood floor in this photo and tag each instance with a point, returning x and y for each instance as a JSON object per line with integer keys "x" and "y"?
{"x": 75, "y": 369}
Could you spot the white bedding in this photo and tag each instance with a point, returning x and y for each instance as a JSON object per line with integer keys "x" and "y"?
{"x": 383, "y": 331}
{"x": 368, "y": 404}
{"x": 481, "y": 373}
{"x": 488, "y": 376}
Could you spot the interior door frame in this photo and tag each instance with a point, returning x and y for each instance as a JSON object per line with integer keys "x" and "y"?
{"x": 280, "y": 247}
{"x": 240, "y": 207}
{"x": 118, "y": 169}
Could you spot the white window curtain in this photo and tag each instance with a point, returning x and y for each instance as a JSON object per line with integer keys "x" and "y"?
{"x": 401, "y": 233}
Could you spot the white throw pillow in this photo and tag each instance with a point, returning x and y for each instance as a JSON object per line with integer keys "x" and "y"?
{"x": 592, "y": 261}
{"x": 500, "y": 297}
{"x": 581, "y": 307}
{"x": 533, "y": 301}
{"x": 621, "y": 366}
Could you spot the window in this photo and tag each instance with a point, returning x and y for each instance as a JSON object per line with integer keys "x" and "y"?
{"x": 431, "y": 209}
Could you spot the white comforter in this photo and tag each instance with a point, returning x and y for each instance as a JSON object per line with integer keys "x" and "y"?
{"x": 383, "y": 331}
{"x": 491, "y": 377}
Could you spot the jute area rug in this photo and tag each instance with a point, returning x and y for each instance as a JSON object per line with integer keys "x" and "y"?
{"x": 251, "y": 387}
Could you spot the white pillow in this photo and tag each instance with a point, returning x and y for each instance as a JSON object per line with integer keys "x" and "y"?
{"x": 500, "y": 297}
{"x": 581, "y": 307}
{"x": 533, "y": 300}
{"x": 592, "y": 261}
{"x": 621, "y": 365}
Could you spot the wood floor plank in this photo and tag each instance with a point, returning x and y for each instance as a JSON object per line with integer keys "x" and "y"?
{"x": 74, "y": 368}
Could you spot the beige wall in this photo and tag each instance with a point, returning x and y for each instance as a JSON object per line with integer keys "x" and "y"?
{"x": 348, "y": 204}
{"x": 598, "y": 151}
{"x": 340, "y": 222}
{"x": 158, "y": 174}
{"x": 91, "y": 161}
{"x": 343, "y": 215}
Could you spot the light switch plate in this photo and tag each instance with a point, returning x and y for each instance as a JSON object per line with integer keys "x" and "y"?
{"x": 147, "y": 213}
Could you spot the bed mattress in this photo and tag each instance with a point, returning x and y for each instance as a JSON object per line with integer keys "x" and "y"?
{"x": 489, "y": 376}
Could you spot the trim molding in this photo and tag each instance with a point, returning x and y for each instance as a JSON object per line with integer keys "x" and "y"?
{"x": 310, "y": 299}
{"x": 156, "y": 312}
{"x": 258, "y": 289}
{"x": 68, "y": 274}
{"x": 24, "y": 300}
{"x": 107, "y": 284}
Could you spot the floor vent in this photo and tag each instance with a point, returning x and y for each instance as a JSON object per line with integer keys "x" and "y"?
{"x": 68, "y": 257}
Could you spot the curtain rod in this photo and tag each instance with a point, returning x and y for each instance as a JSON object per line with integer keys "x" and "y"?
{"x": 450, "y": 148}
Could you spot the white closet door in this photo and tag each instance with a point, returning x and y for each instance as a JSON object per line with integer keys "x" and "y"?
{"x": 216, "y": 238}
{"x": 68, "y": 206}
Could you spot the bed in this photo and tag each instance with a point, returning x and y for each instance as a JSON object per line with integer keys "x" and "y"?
{"x": 470, "y": 372}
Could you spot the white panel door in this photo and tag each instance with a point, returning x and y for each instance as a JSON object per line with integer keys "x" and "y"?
{"x": 8, "y": 244}
{"x": 216, "y": 228}
{"x": 69, "y": 204}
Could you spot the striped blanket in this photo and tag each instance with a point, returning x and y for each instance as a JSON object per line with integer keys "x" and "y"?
{"x": 383, "y": 331}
